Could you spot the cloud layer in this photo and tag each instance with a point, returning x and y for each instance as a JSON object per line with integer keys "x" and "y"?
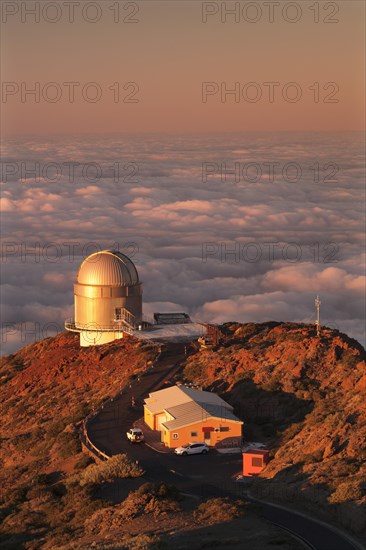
{"x": 220, "y": 247}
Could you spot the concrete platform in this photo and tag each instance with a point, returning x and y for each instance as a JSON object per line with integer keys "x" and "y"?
{"x": 172, "y": 333}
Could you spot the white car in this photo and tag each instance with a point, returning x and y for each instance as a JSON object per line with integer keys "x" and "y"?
{"x": 135, "y": 435}
{"x": 192, "y": 449}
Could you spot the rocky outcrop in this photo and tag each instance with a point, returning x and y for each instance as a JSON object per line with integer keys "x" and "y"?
{"x": 306, "y": 398}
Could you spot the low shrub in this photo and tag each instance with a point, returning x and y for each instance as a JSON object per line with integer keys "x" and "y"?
{"x": 157, "y": 507}
{"x": 193, "y": 371}
{"x": 69, "y": 444}
{"x": 148, "y": 499}
{"x": 119, "y": 466}
{"x": 40, "y": 450}
{"x": 345, "y": 492}
{"x": 311, "y": 458}
{"x": 56, "y": 428}
{"x": 12, "y": 497}
{"x": 83, "y": 462}
{"x": 79, "y": 503}
{"x": 23, "y": 442}
{"x": 138, "y": 542}
{"x": 217, "y": 510}
{"x": 42, "y": 479}
{"x": 79, "y": 412}
{"x": 38, "y": 492}
{"x": 273, "y": 385}
{"x": 160, "y": 490}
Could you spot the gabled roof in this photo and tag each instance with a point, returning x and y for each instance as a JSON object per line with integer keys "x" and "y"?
{"x": 205, "y": 397}
{"x": 177, "y": 395}
{"x": 168, "y": 397}
{"x": 192, "y": 412}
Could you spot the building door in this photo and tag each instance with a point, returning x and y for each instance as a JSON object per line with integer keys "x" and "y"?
{"x": 207, "y": 433}
{"x": 160, "y": 419}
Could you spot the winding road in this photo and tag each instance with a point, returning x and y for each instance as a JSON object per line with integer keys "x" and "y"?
{"x": 199, "y": 476}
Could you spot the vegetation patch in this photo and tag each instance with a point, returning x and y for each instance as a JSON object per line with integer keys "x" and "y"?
{"x": 217, "y": 510}
{"x": 118, "y": 466}
{"x": 345, "y": 492}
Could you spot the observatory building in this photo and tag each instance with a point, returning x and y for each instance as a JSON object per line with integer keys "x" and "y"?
{"x": 107, "y": 298}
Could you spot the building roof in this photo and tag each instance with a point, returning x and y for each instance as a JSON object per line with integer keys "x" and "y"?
{"x": 176, "y": 395}
{"x": 168, "y": 397}
{"x": 188, "y": 406}
{"x": 205, "y": 397}
{"x": 172, "y": 318}
{"x": 108, "y": 267}
{"x": 192, "y": 412}
{"x": 256, "y": 452}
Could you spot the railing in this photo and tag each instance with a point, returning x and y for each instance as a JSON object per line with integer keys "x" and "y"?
{"x": 148, "y": 319}
{"x": 84, "y": 428}
{"x": 90, "y": 445}
{"x": 70, "y": 325}
{"x": 95, "y": 327}
{"x": 125, "y": 315}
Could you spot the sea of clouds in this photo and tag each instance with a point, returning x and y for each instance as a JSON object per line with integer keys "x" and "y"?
{"x": 246, "y": 248}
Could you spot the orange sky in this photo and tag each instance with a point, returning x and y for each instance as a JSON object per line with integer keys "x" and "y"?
{"x": 169, "y": 53}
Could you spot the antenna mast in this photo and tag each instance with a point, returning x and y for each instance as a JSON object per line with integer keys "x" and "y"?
{"x": 317, "y": 322}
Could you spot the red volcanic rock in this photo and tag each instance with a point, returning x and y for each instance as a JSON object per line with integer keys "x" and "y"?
{"x": 303, "y": 395}
{"x": 54, "y": 383}
{"x": 360, "y": 385}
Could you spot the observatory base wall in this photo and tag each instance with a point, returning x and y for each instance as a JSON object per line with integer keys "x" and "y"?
{"x": 89, "y": 338}
{"x": 101, "y": 311}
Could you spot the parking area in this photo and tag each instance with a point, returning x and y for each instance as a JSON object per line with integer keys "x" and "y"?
{"x": 152, "y": 437}
{"x": 108, "y": 431}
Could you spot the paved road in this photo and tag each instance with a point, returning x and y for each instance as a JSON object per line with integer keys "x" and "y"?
{"x": 318, "y": 535}
{"x": 108, "y": 429}
{"x": 203, "y": 475}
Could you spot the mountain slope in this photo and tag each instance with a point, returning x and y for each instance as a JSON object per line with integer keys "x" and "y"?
{"x": 305, "y": 397}
{"x": 47, "y": 388}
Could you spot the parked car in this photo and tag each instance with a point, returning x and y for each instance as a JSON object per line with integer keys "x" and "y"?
{"x": 135, "y": 435}
{"x": 192, "y": 449}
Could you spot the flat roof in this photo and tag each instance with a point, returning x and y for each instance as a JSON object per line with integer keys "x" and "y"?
{"x": 172, "y": 333}
{"x": 256, "y": 452}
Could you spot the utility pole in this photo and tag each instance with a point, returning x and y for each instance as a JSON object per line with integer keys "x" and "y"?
{"x": 317, "y": 322}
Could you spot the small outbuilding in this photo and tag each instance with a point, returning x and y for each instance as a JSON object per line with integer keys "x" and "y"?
{"x": 254, "y": 461}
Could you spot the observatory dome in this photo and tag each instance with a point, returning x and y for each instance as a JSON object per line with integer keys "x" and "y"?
{"x": 108, "y": 267}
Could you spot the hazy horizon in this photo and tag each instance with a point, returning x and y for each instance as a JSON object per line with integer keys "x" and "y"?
{"x": 257, "y": 249}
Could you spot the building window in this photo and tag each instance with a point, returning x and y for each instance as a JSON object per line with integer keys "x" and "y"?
{"x": 257, "y": 462}
{"x": 193, "y": 434}
{"x": 175, "y": 436}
